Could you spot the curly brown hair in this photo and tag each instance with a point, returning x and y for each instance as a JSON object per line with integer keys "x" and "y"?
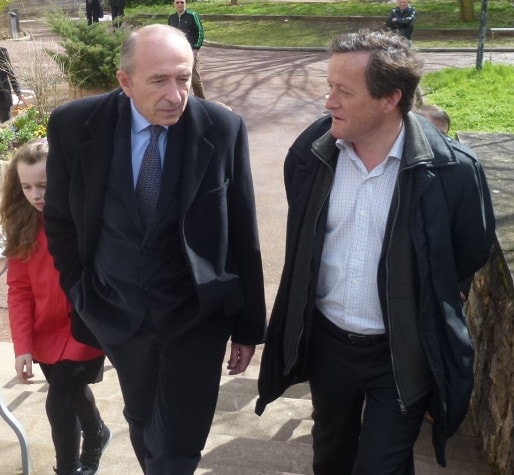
{"x": 20, "y": 221}
{"x": 393, "y": 64}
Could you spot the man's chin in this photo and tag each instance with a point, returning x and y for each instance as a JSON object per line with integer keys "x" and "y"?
{"x": 337, "y": 132}
{"x": 168, "y": 119}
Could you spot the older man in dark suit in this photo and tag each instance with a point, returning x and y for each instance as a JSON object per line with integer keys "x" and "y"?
{"x": 161, "y": 271}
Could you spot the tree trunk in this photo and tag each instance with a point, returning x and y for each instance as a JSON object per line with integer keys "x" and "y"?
{"x": 466, "y": 10}
{"x": 481, "y": 35}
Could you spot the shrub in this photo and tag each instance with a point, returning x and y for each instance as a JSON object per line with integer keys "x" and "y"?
{"x": 27, "y": 125}
{"x": 91, "y": 53}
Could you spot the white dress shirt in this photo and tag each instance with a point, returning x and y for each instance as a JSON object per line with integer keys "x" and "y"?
{"x": 347, "y": 292}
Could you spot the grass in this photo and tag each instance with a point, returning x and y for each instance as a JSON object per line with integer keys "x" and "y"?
{"x": 444, "y": 14}
{"x": 477, "y": 101}
{"x": 300, "y": 33}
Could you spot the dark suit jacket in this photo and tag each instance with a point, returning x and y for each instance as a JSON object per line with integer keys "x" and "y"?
{"x": 218, "y": 227}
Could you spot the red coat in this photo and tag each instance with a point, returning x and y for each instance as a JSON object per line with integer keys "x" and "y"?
{"x": 39, "y": 312}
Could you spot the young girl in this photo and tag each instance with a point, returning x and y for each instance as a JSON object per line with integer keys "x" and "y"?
{"x": 40, "y": 322}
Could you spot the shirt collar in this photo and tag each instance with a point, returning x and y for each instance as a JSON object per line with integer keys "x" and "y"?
{"x": 396, "y": 150}
{"x": 139, "y": 123}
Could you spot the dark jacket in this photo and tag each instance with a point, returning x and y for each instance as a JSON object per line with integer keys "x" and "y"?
{"x": 440, "y": 231}
{"x": 189, "y": 22}
{"x": 216, "y": 213}
{"x": 7, "y": 80}
{"x": 404, "y": 23}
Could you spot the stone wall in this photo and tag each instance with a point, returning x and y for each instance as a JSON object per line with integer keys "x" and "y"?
{"x": 491, "y": 323}
{"x": 491, "y": 311}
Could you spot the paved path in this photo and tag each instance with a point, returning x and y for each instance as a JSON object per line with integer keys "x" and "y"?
{"x": 278, "y": 94}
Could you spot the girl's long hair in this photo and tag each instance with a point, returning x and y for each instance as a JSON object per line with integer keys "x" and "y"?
{"x": 20, "y": 221}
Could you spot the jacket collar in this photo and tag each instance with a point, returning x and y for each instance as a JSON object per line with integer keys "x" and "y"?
{"x": 95, "y": 152}
{"x": 423, "y": 145}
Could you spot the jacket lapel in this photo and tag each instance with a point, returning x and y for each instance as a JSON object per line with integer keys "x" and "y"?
{"x": 122, "y": 162}
{"x": 198, "y": 152}
{"x": 94, "y": 158}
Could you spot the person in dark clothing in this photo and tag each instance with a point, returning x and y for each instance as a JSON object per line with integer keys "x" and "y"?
{"x": 93, "y": 10}
{"x": 189, "y": 22}
{"x": 161, "y": 276}
{"x": 8, "y": 82}
{"x": 369, "y": 307}
{"x": 117, "y": 12}
{"x": 439, "y": 117}
{"x": 401, "y": 19}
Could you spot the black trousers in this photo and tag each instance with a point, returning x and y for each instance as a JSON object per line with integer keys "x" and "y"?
{"x": 344, "y": 378}
{"x": 92, "y": 11}
{"x": 117, "y": 14}
{"x": 5, "y": 113}
{"x": 70, "y": 406}
{"x": 170, "y": 389}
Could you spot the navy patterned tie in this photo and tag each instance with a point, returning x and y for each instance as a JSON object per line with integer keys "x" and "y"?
{"x": 149, "y": 179}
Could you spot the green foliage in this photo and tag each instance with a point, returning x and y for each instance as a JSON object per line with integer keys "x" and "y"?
{"x": 146, "y": 3}
{"x": 91, "y": 53}
{"x": 6, "y": 141}
{"x": 475, "y": 100}
{"x": 306, "y": 33}
{"x": 27, "y": 125}
{"x": 294, "y": 33}
{"x": 444, "y": 14}
{"x": 431, "y": 14}
{"x": 4, "y": 4}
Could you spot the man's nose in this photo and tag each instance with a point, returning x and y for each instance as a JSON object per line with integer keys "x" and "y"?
{"x": 173, "y": 93}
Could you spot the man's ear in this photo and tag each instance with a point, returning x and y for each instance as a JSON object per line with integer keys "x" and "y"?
{"x": 124, "y": 81}
{"x": 392, "y": 101}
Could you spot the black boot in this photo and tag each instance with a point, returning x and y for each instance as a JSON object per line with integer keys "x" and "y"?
{"x": 92, "y": 449}
{"x": 63, "y": 471}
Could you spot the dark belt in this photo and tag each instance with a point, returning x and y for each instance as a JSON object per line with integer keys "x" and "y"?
{"x": 345, "y": 336}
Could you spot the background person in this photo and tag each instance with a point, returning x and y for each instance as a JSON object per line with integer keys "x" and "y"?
{"x": 402, "y": 18}
{"x": 8, "y": 82}
{"x": 162, "y": 276}
{"x": 93, "y": 11}
{"x": 189, "y": 22}
{"x": 39, "y": 316}
{"x": 117, "y": 12}
{"x": 436, "y": 115}
{"x": 381, "y": 208}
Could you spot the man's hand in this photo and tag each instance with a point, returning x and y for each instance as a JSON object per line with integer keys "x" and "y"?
{"x": 23, "y": 366}
{"x": 240, "y": 356}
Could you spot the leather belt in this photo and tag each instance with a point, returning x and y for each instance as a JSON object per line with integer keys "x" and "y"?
{"x": 345, "y": 336}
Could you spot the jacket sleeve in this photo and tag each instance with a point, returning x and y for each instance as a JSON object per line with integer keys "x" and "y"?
{"x": 389, "y": 21}
{"x": 199, "y": 27}
{"x": 59, "y": 224}
{"x": 474, "y": 224}
{"x": 244, "y": 242}
{"x": 5, "y": 64}
{"x": 21, "y": 304}
{"x": 408, "y": 20}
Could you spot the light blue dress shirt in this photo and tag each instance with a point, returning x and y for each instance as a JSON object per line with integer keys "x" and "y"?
{"x": 140, "y": 138}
